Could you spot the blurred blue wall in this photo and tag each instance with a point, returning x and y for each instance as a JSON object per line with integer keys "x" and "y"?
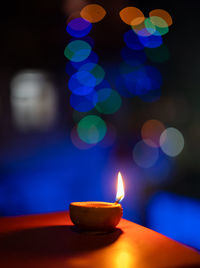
{"x": 46, "y": 174}
{"x": 175, "y": 216}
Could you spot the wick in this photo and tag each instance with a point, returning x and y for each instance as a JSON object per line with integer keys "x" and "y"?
{"x": 117, "y": 201}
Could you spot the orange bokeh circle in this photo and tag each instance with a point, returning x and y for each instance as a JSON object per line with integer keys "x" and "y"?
{"x": 93, "y": 13}
{"x": 131, "y": 16}
{"x": 162, "y": 14}
{"x": 151, "y": 131}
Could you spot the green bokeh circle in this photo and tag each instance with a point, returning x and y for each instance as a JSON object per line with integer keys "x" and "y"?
{"x": 77, "y": 50}
{"x": 110, "y": 104}
{"x": 91, "y": 129}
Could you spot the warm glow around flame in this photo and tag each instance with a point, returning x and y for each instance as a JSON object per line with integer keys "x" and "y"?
{"x": 120, "y": 188}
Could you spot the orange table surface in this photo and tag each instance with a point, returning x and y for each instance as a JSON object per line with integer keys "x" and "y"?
{"x": 49, "y": 240}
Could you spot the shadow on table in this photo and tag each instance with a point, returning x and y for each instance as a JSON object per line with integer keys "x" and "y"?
{"x": 53, "y": 241}
{"x": 188, "y": 266}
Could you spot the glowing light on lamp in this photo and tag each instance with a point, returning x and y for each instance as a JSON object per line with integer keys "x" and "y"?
{"x": 120, "y": 188}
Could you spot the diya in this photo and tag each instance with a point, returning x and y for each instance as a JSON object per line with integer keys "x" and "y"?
{"x": 98, "y": 216}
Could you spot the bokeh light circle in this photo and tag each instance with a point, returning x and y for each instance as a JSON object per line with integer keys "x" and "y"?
{"x": 83, "y": 103}
{"x": 137, "y": 82}
{"x": 82, "y": 83}
{"x": 141, "y": 30}
{"x": 160, "y": 24}
{"x": 77, "y": 50}
{"x": 104, "y": 84}
{"x": 93, "y": 13}
{"x": 95, "y": 70}
{"x": 171, "y": 141}
{"x": 132, "y": 41}
{"x": 151, "y": 131}
{"x": 93, "y": 57}
{"x": 151, "y": 41}
{"x": 122, "y": 88}
{"x": 142, "y": 80}
{"x": 131, "y": 15}
{"x": 162, "y": 14}
{"x": 91, "y": 129}
{"x": 144, "y": 155}
{"x": 150, "y": 27}
{"x": 109, "y": 101}
{"x": 77, "y": 141}
{"x": 86, "y": 78}
{"x": 79, "y": 27}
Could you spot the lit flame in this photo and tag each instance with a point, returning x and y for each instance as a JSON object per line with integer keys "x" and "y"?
{"x": 120, "y": 188}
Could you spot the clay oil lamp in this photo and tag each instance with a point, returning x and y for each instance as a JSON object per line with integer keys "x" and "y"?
{"x": 98, "y": 216}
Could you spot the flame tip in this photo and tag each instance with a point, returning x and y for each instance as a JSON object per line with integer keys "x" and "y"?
{"x": 120, "y": 188}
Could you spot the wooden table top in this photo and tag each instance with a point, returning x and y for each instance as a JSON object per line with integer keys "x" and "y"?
{"x": 49, "y": 240}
